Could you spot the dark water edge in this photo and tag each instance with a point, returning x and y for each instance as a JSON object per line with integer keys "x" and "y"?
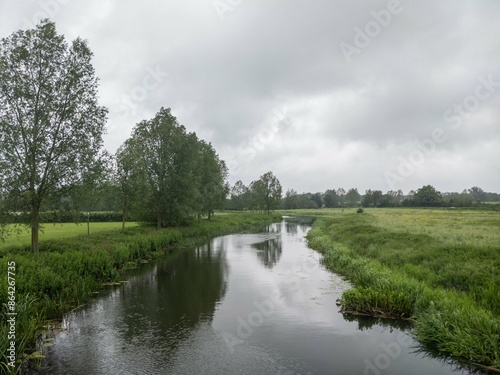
{"x": 240, "y": 304}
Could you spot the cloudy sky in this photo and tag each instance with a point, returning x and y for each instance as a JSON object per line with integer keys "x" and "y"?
{"x": 326, "y": 94}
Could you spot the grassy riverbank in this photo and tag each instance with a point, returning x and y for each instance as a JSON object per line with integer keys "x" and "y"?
{"x": 68, "y": 270}
{"x": 438, "y": 268}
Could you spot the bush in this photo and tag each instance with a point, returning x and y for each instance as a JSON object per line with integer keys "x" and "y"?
{"x": 360, "y": 211}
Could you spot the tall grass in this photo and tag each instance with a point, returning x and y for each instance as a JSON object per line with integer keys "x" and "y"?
{"x": 28, "y": 324}
{"x": 448, "y": 288}
{"x": 67, "y": 270}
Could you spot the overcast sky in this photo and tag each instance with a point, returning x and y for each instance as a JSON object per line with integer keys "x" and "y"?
{"x": 326, "y": 94}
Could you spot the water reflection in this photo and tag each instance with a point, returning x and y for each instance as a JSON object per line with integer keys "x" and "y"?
{"x": 269, "y": 251}
{"x": 146, "y": 321}
{"x": 367, "y": 323}
{"x": 291, "y": 228}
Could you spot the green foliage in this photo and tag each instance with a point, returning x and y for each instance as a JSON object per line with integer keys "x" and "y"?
{"x": 240, "y": 197}
{"x": 360, "y": 211}
{"x": 262, "y": 195}
{"x": 213, "y": 174}
{"x": 461, "y": 329}
{"x": 72, "y": 217}
{"x": 50, "y": 122}
{"x": 352, "y": 197}
{"x": 458, "y": 200}
{"x": 378, "y": 303}
{"x": 375, "y": 198}
{"x": 291, "y": 201}
{"x": 426, "y": 196}
{"x": 167, "y": 175}
{"x": 331, "y": 199}
{"x": 131, "y": 188}
{"x": 28, "y": 325}
{"x": 266, "y": 193}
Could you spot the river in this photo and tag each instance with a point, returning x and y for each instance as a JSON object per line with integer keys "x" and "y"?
{"x": 241, "y": 304}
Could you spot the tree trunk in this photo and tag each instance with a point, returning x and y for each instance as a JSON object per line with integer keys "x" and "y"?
{"x": 209, "y": 215}
{"x": 34, "y": 238}
{"x": 35, "y": 226}
{"x": 158, "y": 220}
{"x": 124, "y": 218}
{"x": 88, "y": 223}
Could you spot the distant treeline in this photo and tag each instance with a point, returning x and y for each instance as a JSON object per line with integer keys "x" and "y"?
{"x": 242, "y": 198}
{"x": 71, "y": 217}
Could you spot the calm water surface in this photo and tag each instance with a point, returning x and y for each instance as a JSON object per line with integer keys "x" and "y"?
{"x": 241, "y": 304}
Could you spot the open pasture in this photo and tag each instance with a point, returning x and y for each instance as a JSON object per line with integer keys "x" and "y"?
{"x": 21, "y": 236}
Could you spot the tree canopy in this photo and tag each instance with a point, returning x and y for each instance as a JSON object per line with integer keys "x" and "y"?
{"x": 426, "y": 196}
{"x": 266, "y": 192}
{"x": 178, "y": 174}
{"x": 51, "y": 124}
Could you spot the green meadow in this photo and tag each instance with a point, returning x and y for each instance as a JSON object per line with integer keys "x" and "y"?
{"x": 20, "y": 236}
{"x": 439, "y": 268}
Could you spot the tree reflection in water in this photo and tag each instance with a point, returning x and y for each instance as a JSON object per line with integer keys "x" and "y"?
{"x": 269, "y": 251}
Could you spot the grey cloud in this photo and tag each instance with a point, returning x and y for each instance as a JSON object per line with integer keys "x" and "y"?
{"x": 350, "y": 121}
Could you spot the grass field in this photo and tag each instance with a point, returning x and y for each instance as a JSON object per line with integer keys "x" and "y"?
{"x": 437, "y": 267}
{"x": 21, "y": 236}
{"x": 449, "y": 226}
